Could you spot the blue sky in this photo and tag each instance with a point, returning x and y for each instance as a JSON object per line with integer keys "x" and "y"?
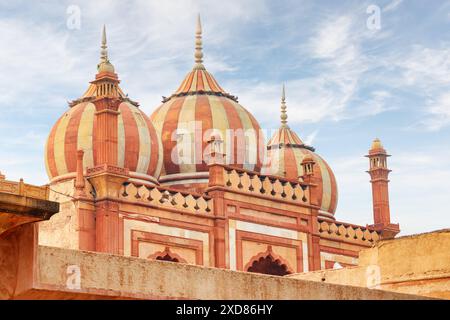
{"x": 346, "y": 84}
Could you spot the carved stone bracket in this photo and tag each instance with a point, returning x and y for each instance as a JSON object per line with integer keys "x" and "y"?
{"x": 107, "y": 180}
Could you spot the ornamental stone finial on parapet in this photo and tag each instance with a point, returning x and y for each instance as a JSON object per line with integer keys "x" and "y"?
{"x": 214, "y": 150}
{"x": 80, "y": 184}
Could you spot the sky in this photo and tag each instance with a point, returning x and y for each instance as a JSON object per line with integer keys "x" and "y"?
{"x": 354, "y": 71}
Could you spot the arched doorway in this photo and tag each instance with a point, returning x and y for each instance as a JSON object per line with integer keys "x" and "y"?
{"x": 268, "y": 263}
{"x": 166, "y": 255}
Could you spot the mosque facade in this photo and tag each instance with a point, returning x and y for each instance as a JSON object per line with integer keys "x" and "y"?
{"x": 196, "y": 182}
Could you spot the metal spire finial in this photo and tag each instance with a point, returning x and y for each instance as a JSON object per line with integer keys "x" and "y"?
{"x": 104, "y": 65}
{"x": 104, "y": 46}
{"x": 283, "y": 108}
{"x": 198, "y": 44}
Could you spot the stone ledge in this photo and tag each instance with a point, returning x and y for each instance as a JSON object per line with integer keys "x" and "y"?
{"x": 117, "y": 277}
{"x": 16, "y": 210}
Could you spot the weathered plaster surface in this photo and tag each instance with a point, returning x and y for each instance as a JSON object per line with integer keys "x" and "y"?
{"x": 418, "y": 264}
{"x": 105, "y": 275}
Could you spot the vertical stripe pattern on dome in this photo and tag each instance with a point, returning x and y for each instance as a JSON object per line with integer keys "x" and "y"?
{"x": 286, "y": 161}
{"x": 144, "y": 142}
{"x": 120, "y": 142}
{"x": 187, "y": 131}
{"x": 71, "y": 139}
{"x": 199, "y": 80}
{"x": 132, "y": 142}
{"x": 86, "y": 135}
{"x": 285, "y": 136}
{"x": 155, "y": 162}
{"x": 203, "y": 124}
{"x": 219, "y": 119}
{"x": 168, "y": 130}
{"x": 201, "y": 115}
{"x": 138, "y": 143}
{"x": 158, "y": 121}
{"x": 50, "y": 151}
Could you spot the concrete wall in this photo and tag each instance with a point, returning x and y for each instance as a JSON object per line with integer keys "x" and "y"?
{"x": 105, "y": 275}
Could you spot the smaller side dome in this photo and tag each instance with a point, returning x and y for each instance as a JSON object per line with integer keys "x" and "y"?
{"x": 376, "y": 145}
{"x": 285, "y": 154}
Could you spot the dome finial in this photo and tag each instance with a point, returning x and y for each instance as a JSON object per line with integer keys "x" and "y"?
{"x": 376, "y": 144}
{"x": 104, "y": 46}
{"x": 283, "y": 108}
{"x": 104, "y": 64}
{"x": 198, "y": 45}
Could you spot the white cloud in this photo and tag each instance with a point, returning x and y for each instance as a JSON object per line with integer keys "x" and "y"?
{"x": 35, "y": 59}
{"x": 309, "y": 140}
{"x": 425, "y": 67}
{"x": 332, "y": 37}
{"x": 374, "y": 103}
{"x": 426, "y": 73}
{"x": 439, "y": 109}
{"x": 392, "y": 6}
{"x": 327, "y": 94}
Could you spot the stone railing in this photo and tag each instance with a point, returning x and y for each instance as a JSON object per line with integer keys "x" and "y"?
{"x": 268, "y": 186}
{"x": 167, "y": 198}
{"x": 345, "y": 231}
{"x": 23, "y": 189}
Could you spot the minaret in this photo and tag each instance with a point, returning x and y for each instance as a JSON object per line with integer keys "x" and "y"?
{"x": 379, "y": 173}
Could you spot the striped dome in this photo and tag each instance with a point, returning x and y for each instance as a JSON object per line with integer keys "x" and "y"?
{"x": 138, "y": 144}
{"x": 198, "y": 116}
{"x": 200, "y": 81}
{"x": 285, "y": 153}
{"x": 284, "y": 157}
{"x": 285, "y": 137}
{"x": 82, "y": 127}
{"x": 199, "y": 110}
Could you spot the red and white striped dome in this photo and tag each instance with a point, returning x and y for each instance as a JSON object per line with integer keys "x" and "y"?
{"x": 285, "y": 153}
{"x": 186, "y": 120}
{"x": 76, "y": 130}
{"x": 138, "y": 146}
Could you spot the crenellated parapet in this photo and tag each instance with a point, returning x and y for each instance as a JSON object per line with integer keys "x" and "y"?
{"x": 253, "y": 183}
{"x": 347, "y": 232}
{"x": 22, "y": 203}
{"x": 166, "y": 198}
{"x": 23, "y": 189}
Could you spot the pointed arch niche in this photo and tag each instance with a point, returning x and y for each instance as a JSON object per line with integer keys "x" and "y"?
{"x": 166, "y": 255}
{"x": 270, "y": 263}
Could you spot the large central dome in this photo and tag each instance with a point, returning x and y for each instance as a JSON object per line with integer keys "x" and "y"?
{"x": 197, "y": 111}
